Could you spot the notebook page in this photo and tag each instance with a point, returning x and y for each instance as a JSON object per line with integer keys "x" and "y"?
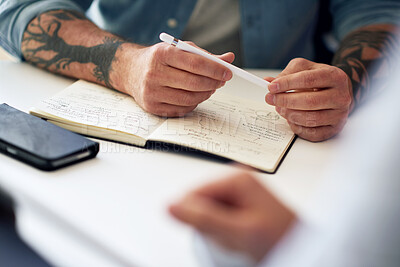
{"x": 235, "y": 128}
{"x": 94, "y": 105}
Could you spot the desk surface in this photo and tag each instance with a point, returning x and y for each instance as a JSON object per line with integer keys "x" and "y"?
{"x": 116, "y": 204}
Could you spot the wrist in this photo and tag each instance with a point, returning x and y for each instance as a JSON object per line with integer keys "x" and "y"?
{"x": 350, "y": 85}
{"x": 124, "y": 63}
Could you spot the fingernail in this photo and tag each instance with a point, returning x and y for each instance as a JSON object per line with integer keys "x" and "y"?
{"x": 274, "y": 87}
{"x": 227, "y": 75}
{"x": 270, "y": 99}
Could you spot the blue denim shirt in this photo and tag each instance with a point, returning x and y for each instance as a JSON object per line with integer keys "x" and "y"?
{"x": 272, "y": 31}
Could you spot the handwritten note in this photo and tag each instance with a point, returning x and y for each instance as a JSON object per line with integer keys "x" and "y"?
{"x": 231, "y": 127}
{"x": 90, "y": 104}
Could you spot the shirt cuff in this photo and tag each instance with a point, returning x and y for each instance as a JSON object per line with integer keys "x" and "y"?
{"x": 297, "y": 247}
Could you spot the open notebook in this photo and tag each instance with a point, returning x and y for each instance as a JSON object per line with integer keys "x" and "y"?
{"x": 234, "y": 128}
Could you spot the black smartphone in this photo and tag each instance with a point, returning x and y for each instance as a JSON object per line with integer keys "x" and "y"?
{"x": 41, "y": 143}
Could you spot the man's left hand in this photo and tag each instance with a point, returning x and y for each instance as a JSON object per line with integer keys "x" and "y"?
{"x": 314, "y": 98}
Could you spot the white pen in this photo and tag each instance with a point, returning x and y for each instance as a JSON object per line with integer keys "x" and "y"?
{"x": 238, "y": 71}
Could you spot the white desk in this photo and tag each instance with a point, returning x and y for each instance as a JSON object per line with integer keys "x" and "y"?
{"x": 114, "y": 207}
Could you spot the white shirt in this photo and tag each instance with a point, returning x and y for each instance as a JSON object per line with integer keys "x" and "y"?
{"x": 354, "y": 218}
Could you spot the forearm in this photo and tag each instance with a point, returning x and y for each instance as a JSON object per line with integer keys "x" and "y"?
{"x": 67, "y": 43}
{"x": 366, "y": 56}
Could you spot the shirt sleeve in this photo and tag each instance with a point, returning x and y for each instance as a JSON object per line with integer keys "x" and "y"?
{"x": 299, "y": 247}
{"x": 348, "y": 15}
{"x": 16, "y": 14}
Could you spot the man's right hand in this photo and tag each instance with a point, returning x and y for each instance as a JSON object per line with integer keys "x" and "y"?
{"x": 167, "y": 81}
{"x": 163, "y": 79}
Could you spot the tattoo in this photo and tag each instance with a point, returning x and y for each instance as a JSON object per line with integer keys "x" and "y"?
{"x": 67, "y": 15}
{"x": 367, "y": 56}
{"x": 47, "y": 36}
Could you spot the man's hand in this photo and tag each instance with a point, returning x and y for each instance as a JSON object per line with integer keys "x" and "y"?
{"x": 167, "y": 81}
{"x": 315, "y": 99}
{"x": 237, "y": 212}
{"x": 163, "y": 79}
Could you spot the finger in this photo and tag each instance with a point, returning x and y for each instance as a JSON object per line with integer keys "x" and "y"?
{"x": 269, "y": 79}
{"x": 296, "y": 65}
{"x": 319, "y": 100}
{"x": 307, "y": 79}
{"x": 313, "y": 118}
{"x": 180, "y": 97}
{"x": 179, "y": 79}
{"x": 167, "y": 110}
{"x": 315, "y": 134}
{"x": 198, "y": 65}
{"x": 232, "y": 190}
{"x": 228, "y": 57}
{"x": 204, "y": 214}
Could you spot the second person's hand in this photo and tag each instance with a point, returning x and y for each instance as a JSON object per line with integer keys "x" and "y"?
{"x": 237, "y": 212}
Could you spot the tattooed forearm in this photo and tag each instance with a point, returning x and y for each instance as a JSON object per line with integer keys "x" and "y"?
{"x": 366, "y": 56}
{"x": 44, "y": 46}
